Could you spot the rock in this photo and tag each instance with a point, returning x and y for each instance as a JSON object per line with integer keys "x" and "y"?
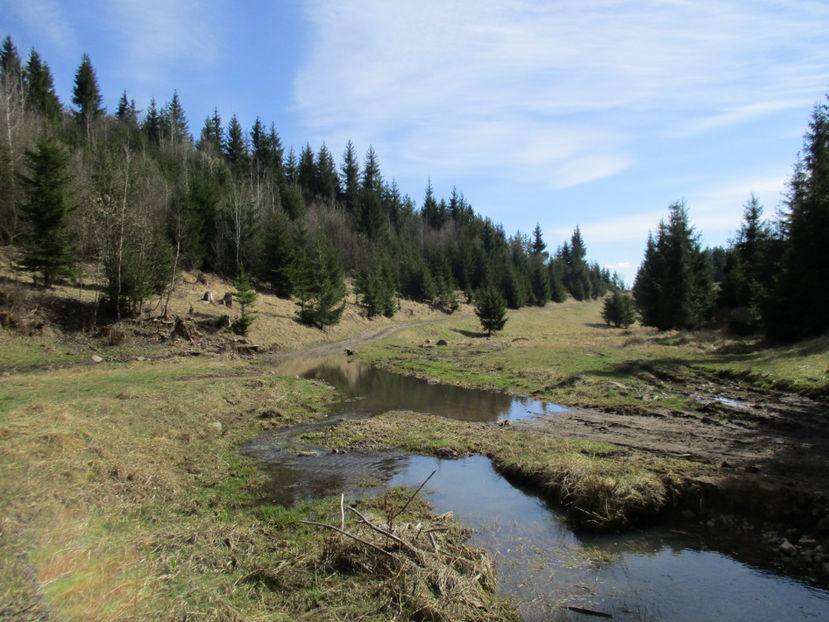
{"x": 227, "y": 299}
{"x": 807, "y": 541}
{"x": 215, "y": 427}
{"x": 208, "y": 297}
{"x": 306, "y": 454}
{"x": 201, "y": 277}
{"x": 442, "y": 342}
{"x": 787, "y": 548}
{"x": 446, "y": 452}
{"x": 350, "y": 352}
{"x": 97, "y": 359}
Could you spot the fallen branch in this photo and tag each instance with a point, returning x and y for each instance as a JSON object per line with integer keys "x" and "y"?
{"x": 348, "y": 535}
{"x": 414, "y": 494}
{"x": 383, "y": 531}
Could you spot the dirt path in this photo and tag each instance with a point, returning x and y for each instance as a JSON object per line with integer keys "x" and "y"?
{"x": 352, "y": 343}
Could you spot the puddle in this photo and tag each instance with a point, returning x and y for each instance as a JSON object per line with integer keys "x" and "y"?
{"x": 543, "y": 566}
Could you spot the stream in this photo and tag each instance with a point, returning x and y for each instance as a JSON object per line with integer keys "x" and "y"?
{"x": 674, "y": 573}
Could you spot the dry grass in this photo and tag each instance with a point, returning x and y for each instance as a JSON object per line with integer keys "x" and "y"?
{"x": 599, "y": 485}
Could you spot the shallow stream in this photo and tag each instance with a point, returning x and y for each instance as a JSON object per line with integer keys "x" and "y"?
{"x": 688, "y": 573}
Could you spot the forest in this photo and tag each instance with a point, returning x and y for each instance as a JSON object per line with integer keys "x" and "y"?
{"x": 138, "y": 197}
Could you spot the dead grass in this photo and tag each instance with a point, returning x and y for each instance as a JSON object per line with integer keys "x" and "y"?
{"x": 600, "y": 486}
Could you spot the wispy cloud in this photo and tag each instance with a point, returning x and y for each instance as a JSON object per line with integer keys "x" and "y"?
{"x": 493, "y": 84}
{"x": 47, "y": 18}
{"x": 158, "y": 39}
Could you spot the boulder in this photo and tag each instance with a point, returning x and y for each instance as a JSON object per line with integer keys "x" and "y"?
{"x": 215, "y": 427}
{"x": 208, "y": 297}
{"x": 442, "y": 342}
{"x": 97, "y": 359}
{"x": 787, "y": 548}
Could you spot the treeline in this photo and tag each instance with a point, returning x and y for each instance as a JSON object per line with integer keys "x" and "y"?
{"x": 136, "y": 193}
{"x": 772, "y": 277}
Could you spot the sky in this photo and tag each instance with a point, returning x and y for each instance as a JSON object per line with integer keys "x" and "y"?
{"x": 589, "y": 113}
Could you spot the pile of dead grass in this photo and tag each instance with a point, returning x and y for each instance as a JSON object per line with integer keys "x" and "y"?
{"x": 423, "y": 569}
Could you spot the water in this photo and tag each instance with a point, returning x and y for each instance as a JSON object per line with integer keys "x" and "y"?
{"x": 543, "y": 566}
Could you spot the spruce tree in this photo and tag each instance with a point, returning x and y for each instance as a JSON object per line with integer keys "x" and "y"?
{"x": 86, "y": 94}
{"x": 126, "y": 112}
{"x": 236, "y": 147}
{"x": 40, "y": 88}
{"x": 801, "y": 305}
{"x": 245, "y": 296}
{"x": 175, "y": 121}
{"x": 350, "y": 177}
{"x": 491, "y": 309}
{"x": 47, "y": 244}
{"x": 618, "y": 310}
{"x": 673, "y": 287}
{"x": 320, "y": 287}
{"x": 152, "y": 123}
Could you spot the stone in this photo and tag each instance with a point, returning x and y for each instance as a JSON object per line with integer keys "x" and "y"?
{"x": 787, "y": 548}
{"x": 97, "y": 359}
{"x": 227, "y": 300}
{"x": 215, "y": 427}
{"x": 208, "y": 297}
{"x": 442, "y": 342}
{"x": 807, "y": 541}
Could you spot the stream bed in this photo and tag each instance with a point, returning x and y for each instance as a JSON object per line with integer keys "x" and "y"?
{"x": 661, "y": 573}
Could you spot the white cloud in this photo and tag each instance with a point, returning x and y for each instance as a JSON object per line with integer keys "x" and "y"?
{"x": 160, "y": 37}
{"x": 492, "y": 85}
{"x": 46, "y": 17}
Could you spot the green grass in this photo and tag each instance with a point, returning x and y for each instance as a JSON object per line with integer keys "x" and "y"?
{"x": 600, "y": 485}
{"x": 566, "y": 354}
{"x": 121, "y": 497}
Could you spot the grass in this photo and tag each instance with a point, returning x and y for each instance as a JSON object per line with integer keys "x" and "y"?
{"x": 600, "y": 485}
{"x": 124, "y": 496}
{"x": 564, "y": 353}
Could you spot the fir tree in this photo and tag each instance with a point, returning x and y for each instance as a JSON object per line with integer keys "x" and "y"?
{"x": 152, "y": 123}
{"x": 245, "y": 296}
{"x": 372, "y": 180}
{"x": 86, "y": 94}
{"x": 327, "y": 182}
{"x": 350, "y": 177}
{"x": 211, "y": 139}
{"x": 320, "y": 287}
{"x": 47, "y": 245}
{"x": 126, "y": 112}
{"x": 491, "y": 309}
{"x": 673, "y": 287}
{"x": 801, "y": 305}
{"x": 236, "y": 147}
{"x": 279, "y": 256}
{"x": 618, "y": 310}
{"x": 538, "y": 244}
{"x": 175, "y": 121}
{"x": 40, "y": 88}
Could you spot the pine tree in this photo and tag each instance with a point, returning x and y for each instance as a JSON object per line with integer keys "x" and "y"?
{"x": 126, "y": 112}
{"x": 538, "y": 244}
{"x": 372, "y": 180}
{"x": 673, "y": 287}
{"x": 236, "y": 147}
{"x": 245, "y": 296}
{"x": 618, "y": 310}
{"x": 175, "y": 121}
{"x": 40, "y": 88}
{"x": 47, "y": 245}
{"x": 86, "y": 94}
{"x": 152, "y": 123}
{"x": 279, "y": 256}
{"x": 491, "y": 309}
{"x": 350, "y": 178}
{"x": 211, "y": 139}
{"x": 801, "y": 305}
{"x": 320, "y": 287}
{"x": 327, "y": 182}
{"x": 307, "y": 172}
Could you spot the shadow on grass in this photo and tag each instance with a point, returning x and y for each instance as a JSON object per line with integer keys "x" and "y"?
{"x": 469, "y": 333}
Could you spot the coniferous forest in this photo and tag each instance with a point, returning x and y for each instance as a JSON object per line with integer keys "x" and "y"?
{"x": 142, "y": 194}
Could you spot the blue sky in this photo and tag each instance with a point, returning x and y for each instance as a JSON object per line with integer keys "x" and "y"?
{"x": 597, "y": 113}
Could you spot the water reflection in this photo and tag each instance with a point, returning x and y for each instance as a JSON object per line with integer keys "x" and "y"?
{"x": 380, "y": 391}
